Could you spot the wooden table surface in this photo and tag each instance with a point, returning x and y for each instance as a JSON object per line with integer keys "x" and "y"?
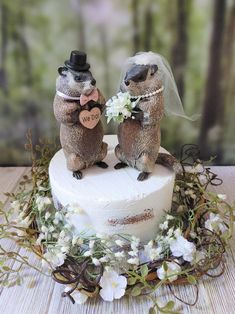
{"x": 39, "y": 294}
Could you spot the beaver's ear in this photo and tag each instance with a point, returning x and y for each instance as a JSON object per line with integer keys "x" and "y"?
{"x": 153, "y": 69}
{"x": 62, "y": 71}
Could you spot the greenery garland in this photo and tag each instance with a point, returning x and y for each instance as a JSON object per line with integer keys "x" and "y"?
{"x": 190, "y": 243}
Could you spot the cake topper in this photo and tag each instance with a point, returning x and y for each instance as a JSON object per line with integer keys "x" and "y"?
{"x": 78, "y": 106}
{"x": 147, "y": 91}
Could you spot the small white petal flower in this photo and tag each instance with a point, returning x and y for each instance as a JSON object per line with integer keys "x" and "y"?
{"x": 42, "y": 202}
{"x": 44, "y": 229}
{"x": 169, "y": 217}
{"x": 120, "y": 243}
{"x": 173, "y": 269}
{"x": 87, "y": 253}
{"x": 222, "y": 196}
{"x": 164, "y": 225}
{"x": 104, "y": 259}
{"x": 113, "y": 286}
{"x": 95, "y": 261}
{"x": 215, "y": 223}
{"x": 47, "y": 215}
{"x": 78, "y": 297}
{"x": 55, "y": 257}
{"x": 182, "y": 247}
{"x": 119, "y": 255}
{"x": 133, "y": 261}
{"x": 91, "y": 244}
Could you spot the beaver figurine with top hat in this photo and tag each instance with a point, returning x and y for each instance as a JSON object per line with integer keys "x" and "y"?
{"x": 78, "y": 106}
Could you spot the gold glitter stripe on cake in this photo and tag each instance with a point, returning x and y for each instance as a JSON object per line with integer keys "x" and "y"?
{"x": 129, "y": 220}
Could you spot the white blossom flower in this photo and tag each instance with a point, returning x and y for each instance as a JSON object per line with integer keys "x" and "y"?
{"x": 119, "y": 107}
{"x": 76, "y": 240}
{"x": 104, "y": 259}
{"x": 164, "y": 225}
{"x": 182, "y": 247}
{"x": 47, "y": 215}
{"x": 40, "y": 238}
{"x": 120, "y": 243}
{"x": 171, "y": 273}
{"x": 169, "y": 217}
{"x": 42, "y": 202}
{"x": 215, "y": 223}
{"x": 78, "y": 297}
{"x": 95, "y": 261}
{"x": 55, "y": 257}
{"x": 24, "y": 224}
{"x": 119, "y": 255}
{"x": 196, "y": 169}
{"x": 222, "y": 196}
{"x": 113, "y": 285}
{"x": 152, "y": 253}
{"x": 133, "y": 261}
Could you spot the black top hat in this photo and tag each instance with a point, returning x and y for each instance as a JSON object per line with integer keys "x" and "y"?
{"x": 77, "y": 61}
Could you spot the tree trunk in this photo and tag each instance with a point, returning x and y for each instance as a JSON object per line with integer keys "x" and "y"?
{"x": 213, "y": 101}
{"x": 135, "y": 24}
{"x": 82, "y": 37}
{"x": 180, "y": 48}
{"x": 4, "y": 42}
{"x": 228, "y": 82}
{"x": 148, "y": 28}
{"x": 105, "y": 57}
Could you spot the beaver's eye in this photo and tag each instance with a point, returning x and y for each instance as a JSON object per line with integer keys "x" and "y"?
{"x": 77, "y": 78}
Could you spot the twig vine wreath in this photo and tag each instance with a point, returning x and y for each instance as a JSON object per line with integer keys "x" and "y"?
{"x": 190, "y": 243}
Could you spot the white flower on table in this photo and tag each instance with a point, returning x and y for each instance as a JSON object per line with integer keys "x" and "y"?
{"x": 215, "y": 223}
{"x": 113, "y": 285}
{"x": 164, "y": 225}
{"x": 78, "y": 297}
{"x": 55, "y": 257}
{"x": 171, "y": 273}
{"x": 42, "y": 202}
{"x": 152, "y": 253}
{"x": 182, "y": 247}
{"x": 222, "y": 196}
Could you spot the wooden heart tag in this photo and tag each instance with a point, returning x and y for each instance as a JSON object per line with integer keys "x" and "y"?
{"x": 89, "y": 119}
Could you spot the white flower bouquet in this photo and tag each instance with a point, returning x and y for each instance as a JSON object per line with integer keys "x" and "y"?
{"x": 120, "y": 107}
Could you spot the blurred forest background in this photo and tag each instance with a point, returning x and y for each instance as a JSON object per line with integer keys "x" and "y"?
{"x": 196, "y": 36}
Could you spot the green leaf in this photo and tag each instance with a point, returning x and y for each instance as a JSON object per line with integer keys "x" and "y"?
{"x": 135, "y": 291}
{"x": 131, "y": 281}
{"x": 169, "y": 306}
{"x": 192, "y": 280}
{"x": 152, "y": 310}
{"x": 6, "y": 268}
{"x": 144, "y": 270}
{"x": 165, "y": 266}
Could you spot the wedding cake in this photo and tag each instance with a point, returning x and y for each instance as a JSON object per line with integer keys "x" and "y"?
{"x": 113, "y": 201}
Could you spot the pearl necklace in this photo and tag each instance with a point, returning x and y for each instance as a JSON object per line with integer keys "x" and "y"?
{"x": 149, "y": 94}
{"x": 67, "y": 97}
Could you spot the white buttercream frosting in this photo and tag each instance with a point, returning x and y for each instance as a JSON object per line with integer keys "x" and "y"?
{"x": 113, "y": 201}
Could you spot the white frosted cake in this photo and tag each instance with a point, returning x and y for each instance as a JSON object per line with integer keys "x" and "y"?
{"x": 113, "y": 201}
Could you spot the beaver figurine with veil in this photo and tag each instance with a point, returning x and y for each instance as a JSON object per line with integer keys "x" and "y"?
{"x": 147, "y": 91}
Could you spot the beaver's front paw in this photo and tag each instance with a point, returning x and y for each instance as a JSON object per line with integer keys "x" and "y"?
{"x": 101, "y": 164}
{"x": 77, "y": 174}
{"x": 120, "y": 165}
{"x": 143, "y": 176}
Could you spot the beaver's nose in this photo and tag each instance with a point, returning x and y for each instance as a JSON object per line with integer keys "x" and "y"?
{"x": 93, "y": 82}
{"x": 127, "y": 83}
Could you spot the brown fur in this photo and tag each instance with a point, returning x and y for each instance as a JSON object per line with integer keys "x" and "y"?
{"x": 82, "y": 147}
{"x": 139, "y": 140}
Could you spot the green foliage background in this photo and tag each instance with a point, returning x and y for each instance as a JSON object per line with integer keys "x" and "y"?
{"x": 37, "y": 36}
